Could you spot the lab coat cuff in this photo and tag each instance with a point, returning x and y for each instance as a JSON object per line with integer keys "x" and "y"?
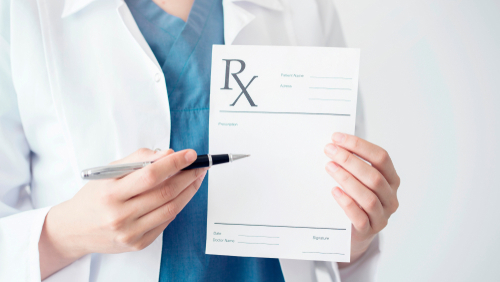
{"x": 19, "y": 236}
{"x": 365, "y": 268}
{"x": 34, "y": 238}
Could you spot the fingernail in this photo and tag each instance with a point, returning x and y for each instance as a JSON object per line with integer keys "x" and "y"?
{"x": 203, "y": 174}
{"x": 190, "y": 156}
{"x": 332, "y": 167}
{"x": 331, "y": 149}
{"x": 338, "y": 137}
{"x": 337, "y": 192}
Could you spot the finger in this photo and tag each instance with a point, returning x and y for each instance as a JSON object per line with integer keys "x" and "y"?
{"x": 143, "y": 155}
{"x": 356, "y": 215}
{"x": 364, "y": 172}
{"x": 146, "y": 156}
{"x": 150, "y": 236}
{"x": 165, "y": 192}
{"x": 378, "y": 157}
{"x": 155, "y": 173}
{"x": 170, "y": 209}
{"x": 365, "y": 197}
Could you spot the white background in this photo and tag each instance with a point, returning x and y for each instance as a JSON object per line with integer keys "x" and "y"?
{"x": 430, "y": 79}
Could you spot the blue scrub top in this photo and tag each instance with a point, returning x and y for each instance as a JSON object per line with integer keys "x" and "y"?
{"x": 184, "y": 50}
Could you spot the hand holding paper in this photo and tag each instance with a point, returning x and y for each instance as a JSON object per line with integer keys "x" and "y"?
{"x": 281, "y": 105}
{"x": 370, "y": 190}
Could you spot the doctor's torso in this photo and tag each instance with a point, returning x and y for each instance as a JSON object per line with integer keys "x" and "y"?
{"x": 77, "y": 67}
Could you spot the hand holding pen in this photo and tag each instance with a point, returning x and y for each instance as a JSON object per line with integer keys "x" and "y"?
{"x": 120, "y": 215}
{"x": 119, "y": 170}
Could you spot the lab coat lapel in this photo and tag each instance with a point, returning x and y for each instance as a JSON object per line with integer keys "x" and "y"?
{"x": 73, "y": 6}
{"x": 237, "y": 17}
{"x": 268, "y": 4}
{"x": 129, "y": 22}
{"x": 111, "y": 100}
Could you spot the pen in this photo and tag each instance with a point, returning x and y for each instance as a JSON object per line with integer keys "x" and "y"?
{"x": 115, "y": 171}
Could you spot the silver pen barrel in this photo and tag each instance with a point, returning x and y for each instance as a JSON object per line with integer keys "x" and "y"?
{"x": 112, "y": 171}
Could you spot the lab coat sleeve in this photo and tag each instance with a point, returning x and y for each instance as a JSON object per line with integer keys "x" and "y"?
{"x": 20, "y": 224}
{"x": 365, "y": 268}
{"x": 334, "y": 37}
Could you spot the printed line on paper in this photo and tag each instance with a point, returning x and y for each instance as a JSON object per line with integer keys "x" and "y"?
{"x": 282, "y": 226}
{"x": 285, "y": 113}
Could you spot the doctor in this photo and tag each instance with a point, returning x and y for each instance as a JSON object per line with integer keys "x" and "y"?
{"x": 88, "y": 82}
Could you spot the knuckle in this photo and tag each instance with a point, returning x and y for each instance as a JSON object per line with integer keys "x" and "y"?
{"x": 371, "y": 203}
{"x": 107, "y": 197}
{"x": 364, "y": 223}
{"x": 344, "y": 177}
{"x": 376, "y": 180}
{"x": 193, "y": 188}
{"x": 148, "y": 177}
{"x": 115, "y": 222}
{"x": 170, "y": 210}
{"x": 142, "y": 152}
{"x": 383, "y": 156}
{"x": 139, "y": 246}
{"x": 198, "y": 183}
{"x": 383, "y": 224}
{"x": 171, "y": 219}
{"x": 346, "y": 158}
{"x": 394, "y": 206}
{"x": 398, "y": 181}
{"x": 354, "y": 142}
{"x": 351, "y": 204}
{"x": 130, "y": 211}
{"x": 167, "y": 191}
{"x": 176, "y": 163}
{"x": 197, "y": 172}
{"x": 125, "y": 239}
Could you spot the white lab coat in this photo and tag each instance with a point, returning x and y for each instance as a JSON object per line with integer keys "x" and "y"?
{"x": 80, "y": 87}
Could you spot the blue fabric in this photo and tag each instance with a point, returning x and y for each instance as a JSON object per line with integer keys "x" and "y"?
{"x": 184, "y": 50}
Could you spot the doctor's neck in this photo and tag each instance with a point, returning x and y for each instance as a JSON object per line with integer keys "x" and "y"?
{"x": 178, "y": 8}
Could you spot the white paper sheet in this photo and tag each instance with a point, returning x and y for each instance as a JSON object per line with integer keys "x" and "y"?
{"x": 278, "y": 203}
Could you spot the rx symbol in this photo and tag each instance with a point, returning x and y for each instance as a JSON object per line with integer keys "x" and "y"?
{"x": 240, "y": 84}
